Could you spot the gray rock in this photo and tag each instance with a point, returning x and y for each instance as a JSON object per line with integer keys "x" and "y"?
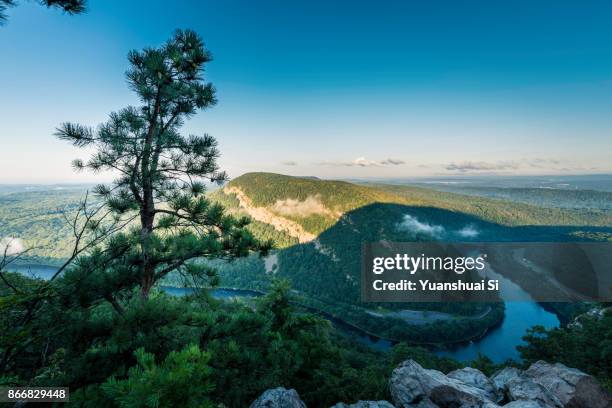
{"x": 426, "y": 403}
{"x": 279, "y": 398}
{"x": 542, "y": 385}
{"x": 365, "y": 404}
{"x": 411, "y": 384}
{"x": 571, "y": 387}
{"x": 472, "y": 376}
{"x": 501, "y": 378}
{"x": 526, "y": 404}
{"x": 525, "y": 389}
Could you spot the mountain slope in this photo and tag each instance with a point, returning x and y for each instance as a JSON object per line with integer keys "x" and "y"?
{"x": 304, "y": 207}
{"x": 325, "y": 271}
{"x": 319, "y": 226}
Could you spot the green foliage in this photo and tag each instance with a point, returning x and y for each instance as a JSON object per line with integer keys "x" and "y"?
{"x": 183, "y": 379}
{"x": 103, "y": 328}
{"x": 162, "y": 172}
{"x": 326, "y": 273}
{"x": 37, "y": 218}
{"x": 543, "y": 197}
{"x": 23, "y": 341}
{"x": 67, "y": 6}
{"x": 586, "y": 346}
{"x": 241, "y": 351}
{"x": 505, "y": 211}
{"x": 339, "y": 197}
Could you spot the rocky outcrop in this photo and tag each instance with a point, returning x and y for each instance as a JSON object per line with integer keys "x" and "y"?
{"x": 525, "y": 389}
{"x": 524, "y": 404}
{"x": 365, "y": 404}
{"x": 596, "y": 313}
{"x": 542, "y": 385}
{"x": 266, "y": 216}
{"x": 503, "y": 377}
{"x": 411, "y": 385}
{"x": 476, "y": 378}
{"x": 571, "y": 387}
{"x": 279, "y": 398}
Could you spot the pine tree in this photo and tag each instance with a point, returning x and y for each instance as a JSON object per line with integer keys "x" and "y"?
{"x": 162, "y": 173}
{"x": 68, "y": 6}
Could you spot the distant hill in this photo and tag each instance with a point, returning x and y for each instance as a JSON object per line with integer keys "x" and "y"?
{"x": 549, "y": 197}
{"x": 318, "y": 227}
{"x": 303, "y": 208}
{"x": 292, "y": 209}
{"x": 329, "y": 220}
{"x": 36, "y": 219}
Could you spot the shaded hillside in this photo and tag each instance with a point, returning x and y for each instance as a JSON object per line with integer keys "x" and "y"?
{"x": 326, "y": 271}
{"x": 317, "y": 204}
{"x": 506, "y": 211}
{"x": 340, "y": 215}
{"x": 314, "y": 205}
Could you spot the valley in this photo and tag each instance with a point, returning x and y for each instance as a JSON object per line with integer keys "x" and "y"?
{"x": 318, "y": 227}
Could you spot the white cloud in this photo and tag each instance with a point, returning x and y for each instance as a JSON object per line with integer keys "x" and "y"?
{"x": 412, "y": 224}
{"x": 11, "y": 246}
{"x": 469, "y": 231}
{"x": 311, "y": 205}
{"x": 469, "y": 166}
{"x": 526, "y": 164}
{"x": 363, "y": 162}
{"x": 392, "y": 162}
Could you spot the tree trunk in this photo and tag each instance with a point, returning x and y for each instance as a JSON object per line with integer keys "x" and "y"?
{"x": 147, "y": 209}
{"x": 147, "y": 217}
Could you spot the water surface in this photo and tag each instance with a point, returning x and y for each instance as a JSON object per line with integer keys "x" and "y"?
{"x": 499, "y": 344}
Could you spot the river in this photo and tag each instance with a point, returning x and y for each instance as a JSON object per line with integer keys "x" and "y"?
{"x": 499, "y": 344}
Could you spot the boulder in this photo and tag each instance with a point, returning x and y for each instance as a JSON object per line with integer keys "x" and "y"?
{"x": 542, "y": 385}
{"x": 411, "y": 384}
{"x": 571, "y": 387}
{"x": 365, "y": 404}
{"x": 426, "y": 403}
{"x": 526, "y": 404}
{"x": 476, "y": 378}
{"x": 525, "y": 389}
{"x": 501, "y": 378}
{"x": 279, "y": 398}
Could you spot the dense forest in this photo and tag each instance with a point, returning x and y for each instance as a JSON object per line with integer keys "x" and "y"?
{"x": 38, "y": 220}
{"x": 339, "y": 197}
{"x": 578, "y": 199}
{"x": 325, "y": 274}
{"x": 38, "y": 217}
{"x": 103, "y": 326}
{"x": 194, "y": 351}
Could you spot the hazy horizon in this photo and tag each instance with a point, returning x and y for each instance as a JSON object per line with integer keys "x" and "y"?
{"x": 452, "y": 178}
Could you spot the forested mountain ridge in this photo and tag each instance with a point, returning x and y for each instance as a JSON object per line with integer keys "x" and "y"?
{"x": 540, "y": 196}
{"x": 325, "y": 270}
{"x": 36, "y": 219}
{"x": 317, "y": 204}
{"x": 308, "y": 206}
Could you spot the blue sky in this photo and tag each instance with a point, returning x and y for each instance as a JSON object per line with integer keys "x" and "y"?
{"x": 331, "y": 88}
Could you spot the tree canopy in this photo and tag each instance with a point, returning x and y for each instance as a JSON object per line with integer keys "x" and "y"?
{"x": 161, "y": 173}
{"x": 67, "y": 6}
